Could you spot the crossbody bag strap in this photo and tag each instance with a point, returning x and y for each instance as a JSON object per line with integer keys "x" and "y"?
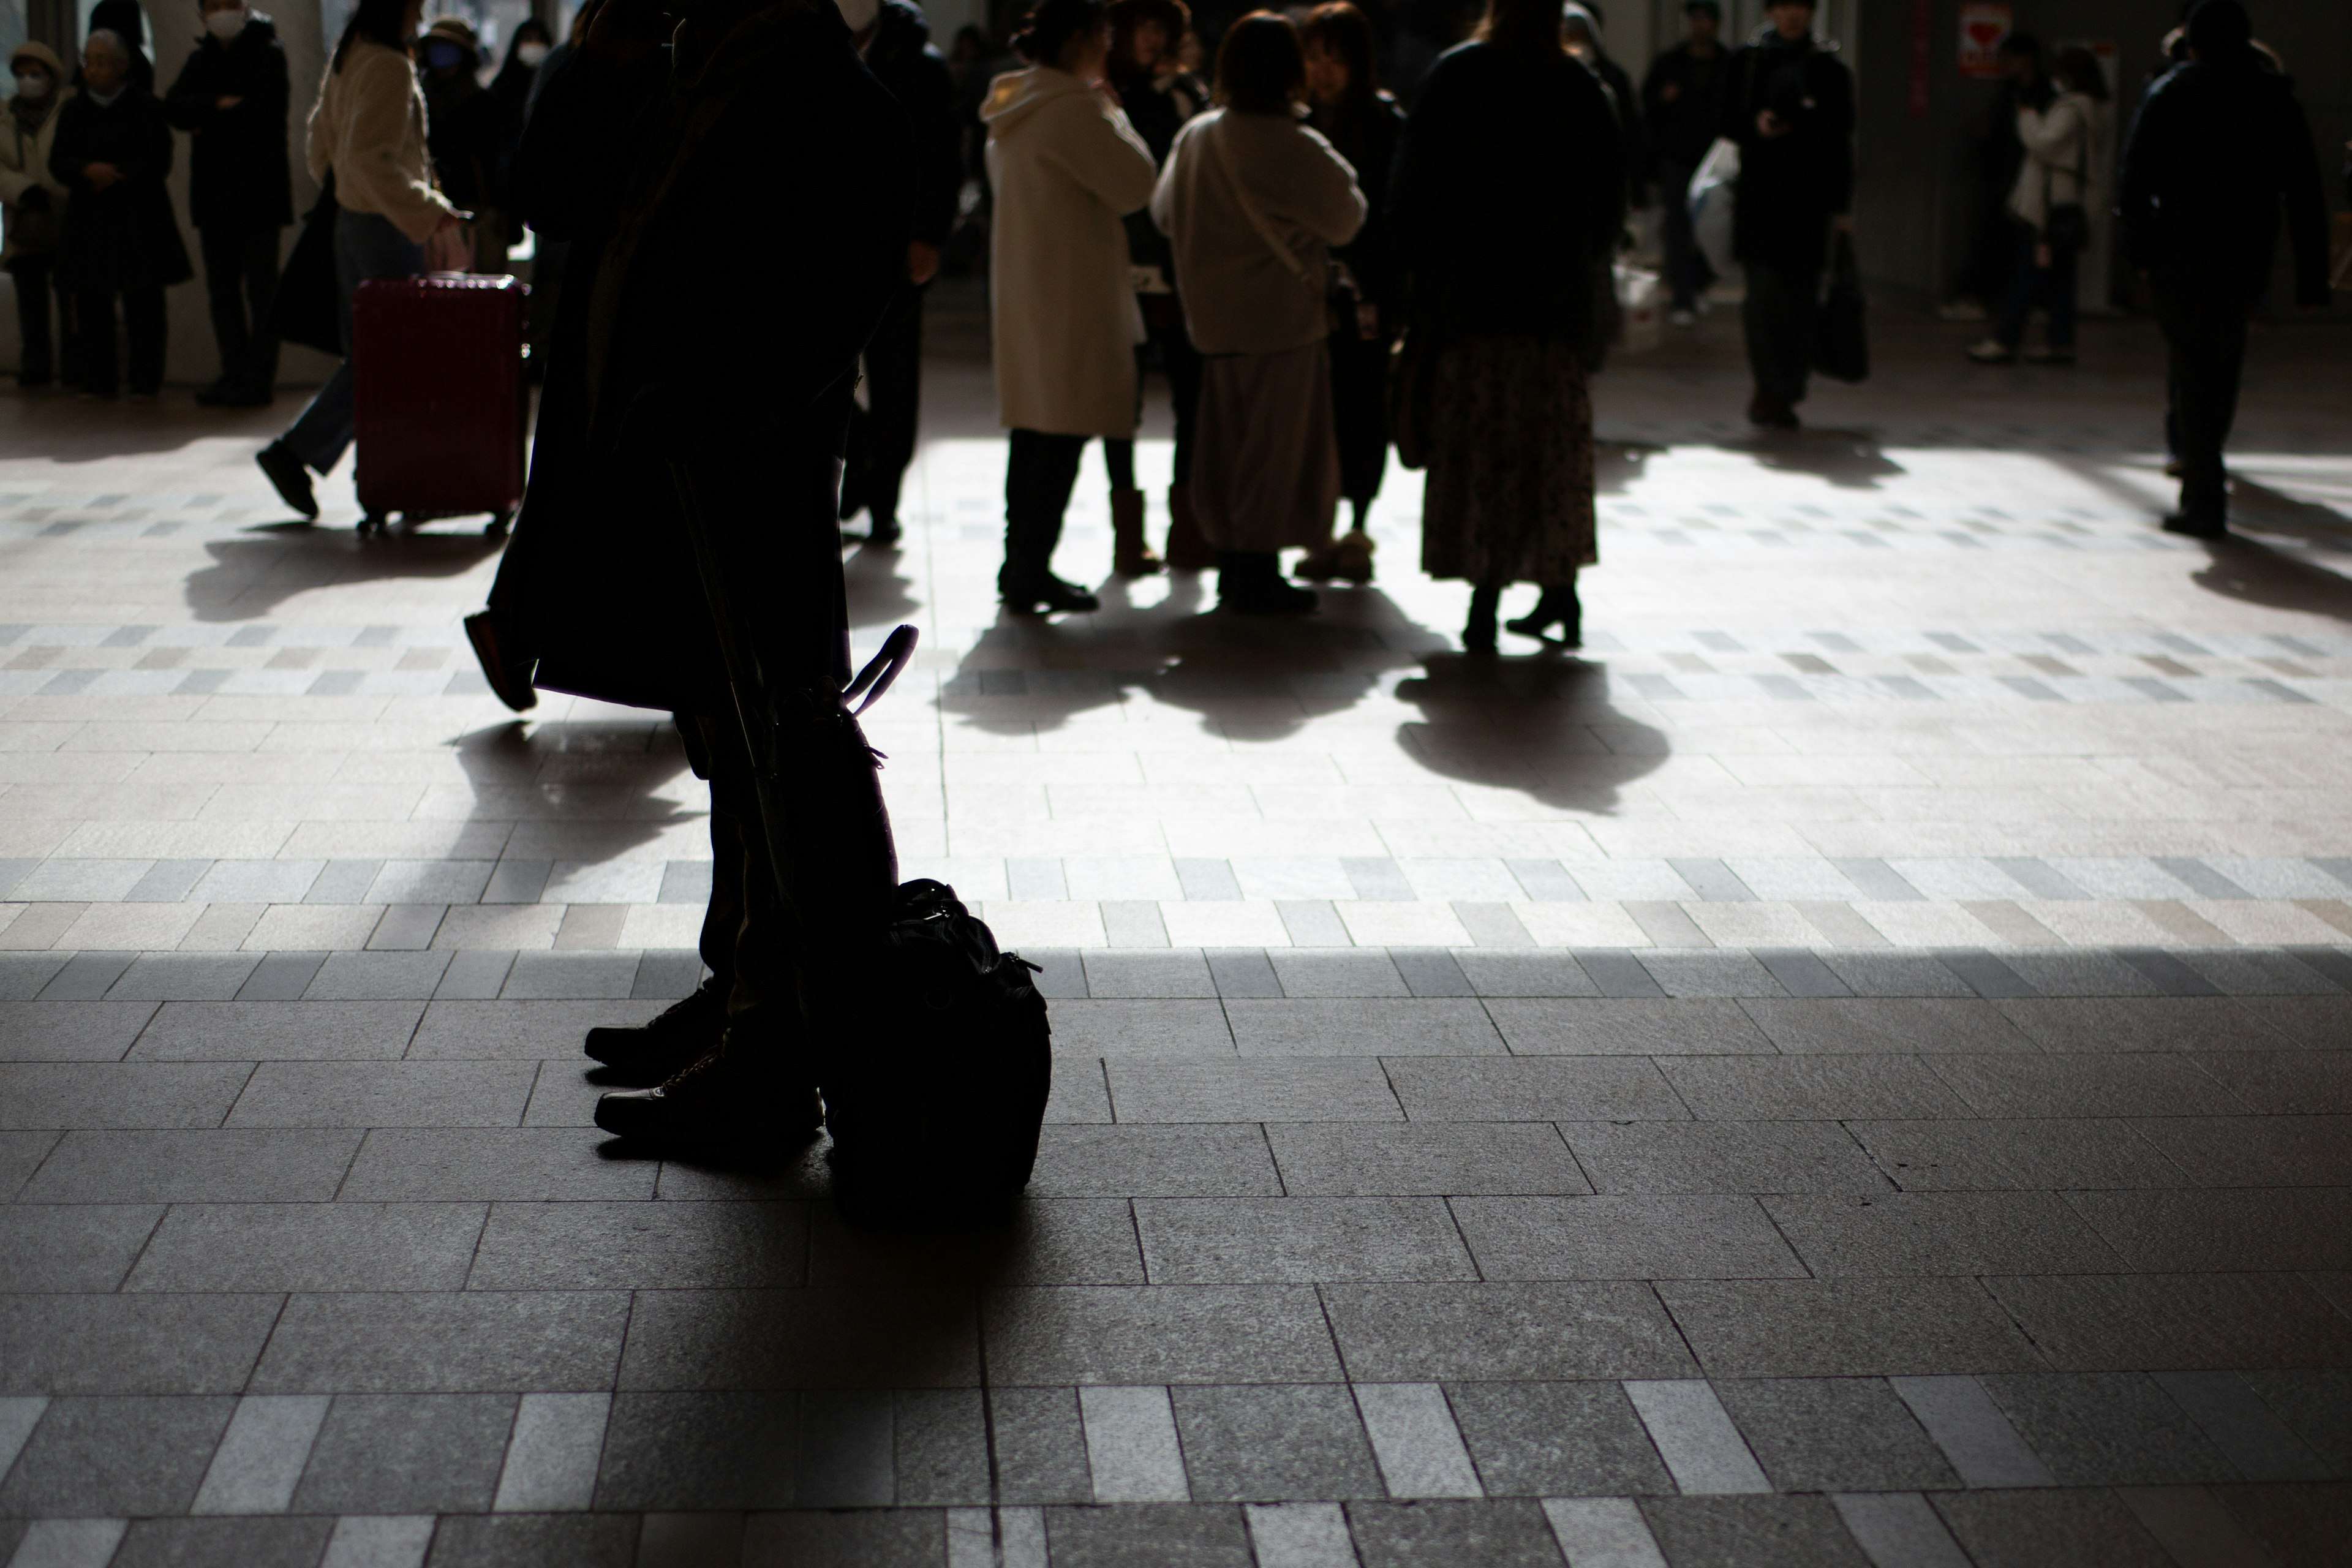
{"x": 1274, "y": 241}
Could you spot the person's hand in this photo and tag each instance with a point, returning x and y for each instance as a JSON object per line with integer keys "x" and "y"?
{"x": 447, "y": 249}
{"x": 922, "y": 262}
{"x": 226, "y": 101}
{"x": 101, "y": 175}
{"x": 1771, "y": 126}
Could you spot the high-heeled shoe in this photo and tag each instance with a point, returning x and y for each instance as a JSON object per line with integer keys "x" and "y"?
{"x": 1559, "y": 607}
{"x": 1478, "y": 633}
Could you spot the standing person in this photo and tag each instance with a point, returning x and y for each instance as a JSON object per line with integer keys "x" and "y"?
{"x": 1067, "y": 166}
{"x": 1510, "y": 190}
{"x": 467, "y": 136}
{"x": 231, "y": 99}
{"x": 1254, "y": 200}
{"x": 127, "y": 20}
{"x": 2057, "y": 190}
{"x": 112, "y": 151}
{"x": 2220, "y": 145}
{"x": 1790, "y": 109}
{"x": 1581, "y": 25}
{"x": 1682, "y": 97}
{"x": 1994, "y": 157}
{"x": 526, "y": 50}
{"x": 367, "y": 130}
{"x": 34, "y": 200}
{"x": 896, "y": 44}
{"x": 1363, "y": 124}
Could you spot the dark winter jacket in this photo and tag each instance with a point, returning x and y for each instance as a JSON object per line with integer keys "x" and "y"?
{"x": 124, "y": 237}
{"x": 1633, "y": 129}
{"x": 1789, "y": 185}
{"x": 1682, "y": 129}
{"x": 1157, "y": 108}
{"x": 238, "y": 173}
{"x": 2217, "y": 147}
{"x": 466, "y": 131}
{"x": 902, "y": 58}
{"x": 1370, "y": 145}
{"x": 1510, "y": 188}
{"x": 697, "y": 322}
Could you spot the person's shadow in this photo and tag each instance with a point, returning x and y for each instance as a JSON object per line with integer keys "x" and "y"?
{"x": 878, "y": 590}
{"x": 252, "y": 574}
{"x": 1850, "y": 459}
{"x": 1541, "y": 725}
{"x": 2254, "y": 572}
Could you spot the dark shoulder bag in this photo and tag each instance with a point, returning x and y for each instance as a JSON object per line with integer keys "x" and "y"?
{"x": 308, "y": 308}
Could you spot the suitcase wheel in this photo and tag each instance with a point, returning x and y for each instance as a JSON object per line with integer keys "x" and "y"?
{"x": 498, "y": 524}
{"x": 374, "y": 522}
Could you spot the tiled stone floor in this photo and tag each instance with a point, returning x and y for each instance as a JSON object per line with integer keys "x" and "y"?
{"x": 1851, "y": 1071}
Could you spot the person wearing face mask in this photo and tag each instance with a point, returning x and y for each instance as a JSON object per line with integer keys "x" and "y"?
{"x": 464, "y": 129}
{"x": 114, "y": 150}
{"x": 510, "y": 90}
{"x": 34, "y": 202}
{"x": 231, "y": 99}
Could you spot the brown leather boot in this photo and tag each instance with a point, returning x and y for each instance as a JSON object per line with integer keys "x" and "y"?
{"x": 1129, "y": 555}
{"x": 1187, "y": 549}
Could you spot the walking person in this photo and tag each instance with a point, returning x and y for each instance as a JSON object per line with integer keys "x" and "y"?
{"x": 2218, "y": 146}
{"x": 896, "y": 42}
{"x": 1363, "y": 124}
{"x": 120, "y": 239}
{"x": 367, "y": 131}
{"x": 1067, "y": 166}
{"x": 2058, "y": 188}
{"x": 1510, "y": 190}
{"x": 1682, "y": 97}
{"x": 231, "y": 99}
{"x": 1252, "y": 200}
{"x": 1582, "y": 25}
{"x": 466, "y": 134}
{"x": 34, "y": 201}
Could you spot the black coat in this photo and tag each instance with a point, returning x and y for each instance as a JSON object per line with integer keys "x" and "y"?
{"x": 1682, "y": 129}
{"x": 124, "y": 237}
{"x": 239, "y": 176}
{"x": 1789, "y": 185}
{"x": 1632, "y": 126}
{"x": 2215, "y": 150}
{"x": 732, "y": 247}
{"x": 1157, "y": 109}
{"x": 1510, "y": 188}
{"x": 1368, "y": 143}
{"x": 902, "y": 58}
{"x": 465, "y": 129}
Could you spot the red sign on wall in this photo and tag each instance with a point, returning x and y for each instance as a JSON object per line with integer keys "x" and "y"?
{"x": 1983, "y": 24}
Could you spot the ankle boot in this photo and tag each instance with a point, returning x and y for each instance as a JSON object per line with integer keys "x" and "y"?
{"x": 1130, "y": 556}
{"x": 674, "y": 1039}
{"x": 749, "y": 1094}
{"x": 1249, "y": 582}
{"x": 1559, "y": 608}
{"x": 1478, "y": 632}
{"x": 1188, "y": 551}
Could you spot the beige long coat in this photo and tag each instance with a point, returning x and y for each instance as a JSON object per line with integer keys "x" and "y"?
{"x": 1065, "y": 166}
{"x": 368, "y": 126}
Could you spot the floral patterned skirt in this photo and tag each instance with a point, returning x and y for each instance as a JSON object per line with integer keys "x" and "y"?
{"x": 1509, "y": 493}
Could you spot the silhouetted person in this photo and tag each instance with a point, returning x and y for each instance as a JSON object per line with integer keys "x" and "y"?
{"x": 35, "y": 200}
{"x": 2219, "y": 145}
{"x": 1681, "y": 97}
{"x": 466, "y": 129}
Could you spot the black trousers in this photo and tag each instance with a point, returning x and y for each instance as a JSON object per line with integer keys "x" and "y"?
{"x": 882, "y": 432}
{"x": 1168, "y": 344}
{"x": 1783, "y": 297}
{"x": 2205, "y": 355}
{"x": 240, "y": 275}
{"x": 1360, "y": 413}
{"x": 36, "y": 354}
{"x": 1689, "y": 275}
{"x": 1037, "y": 479}
{"x": 2031, "y": 284}
{"x": 143, "y": 321}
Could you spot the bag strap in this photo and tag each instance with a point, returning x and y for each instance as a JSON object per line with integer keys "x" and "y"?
{"x": 1274, "y": 241}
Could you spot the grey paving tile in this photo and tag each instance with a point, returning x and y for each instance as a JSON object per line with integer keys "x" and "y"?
{"x": 131, "y": 1344}
{"x": 844, "y": 1539}
{"x": 530, "y": 1541}
{"x": 184, "y": 977}
{"x": 1490, "y": 973}
{"x": 2017, "y": 1529}
{"x": 407, "y": 1453}
{"x": 1259, "y": 1091}
{"x": 1060, "y": 1241}
{"x": 1846, "y": 1328}
{"x": 2232, "y": 1416}
{"x": 280, "y": 976}
{"x": 433, "y": 1342}
{"x": 2241, "y": 1230}
{"x": 382, "y": 1094}
{"x": 2107, "y": 1429}
{"x": 1947, "y": 1233}
{"x": 211, "y": 1165}
{"x": 1722, "y": 1157}
{"x": 2316, "y": 1405}
{"x": 1324, "y": 972}
{"x": 24, "y": 974}
{"x": 1761, "y": 1531}
{"x": 1616, "y": 972}
{"x": 1080, "y": 1093}
{"x": 1886, "y": 1024}
{"x": 641, "y": 1245}
{"x": 1534, "y": 1088}
{"x": 433, "y": 1164}
{"x": 1834, "y": 1434}
{"x": 21, "y": 1154}
{"x": 1809, "y": 1089}
{"x": 224, "y": 1543}
{"x": 1155, "y": 1162}
{"x": 86, "y": 977}
{"x": 1162, "y": 1334}
{"x": 1505, "y": 1532}
{"x": 115, "y": 1456}
{"x": 1557, "y": 1439}
{"x": 1894, "y": 975}
{"x": 475, "y": 976}
{"x": 2256, "y": 971}
{"x": 1626, "y": 1027}
{"x": 1146, "y": 1028}
{"x": 1298, "y": 1240}
{"x": 2057, "y": 1152}
{"x": 259, "y": 1461}
{"x": 1991, "y": 977}
{"x": 1155, "y": 974}
{"x": 2055, "y": 972}
{"x": 2167, "y": 1322}
{"x": 2281, "y": 1083}
{"x": 1980, "y": 1442}
{"x": 73, "y": 1246}
{"x": 940, "y": 1438}
{"x": 1178, "y": 1535}
{"x": 1040, "y": 1445}
{"x": 1646, "y": 1237}
{"x": 681, "y": 1452}
{"x": 2294, "y": 1524}
{"x": 279, "y": 1031}
{"x": 2085, "y": 1084}
{"x": 1802, "y": 972}
{"x": 813, "y": 1338}
{"x": 1389, "y": 1028}
{"x": 1361, "y": 1159}
{"x": 117, "y": 1095}
{"x": 2314, "y": 1023}
{"x": 1061, "y": 974}
{"x": 389, "y": 973}
{"x": 1280, "y": 1443}
{"x": 1566, "y": 1329}
{"x": 1718, "y": 973}
{"x": 2141, "y": 1024}
{"x": 70, "y": 1031}
{"x": 667, "y": 975}
{"x": 311, "y": 1246}
{"x": 1241, "y": 972}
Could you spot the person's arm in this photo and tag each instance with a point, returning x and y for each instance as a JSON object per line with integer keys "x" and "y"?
{"x": 190, "y": 103}
{"x": 66, "y": 155}
{"x": 1100, "y": 151}
{"x": 2306, "y": 205}
{"x": 1333, "y": 208}
{"x": 379, "y": 90}
{"x": 2135, "y": 203}
{"x": 1832, "y": 116}
{"x": 2049, "y": 133}
{"x": 1163, "y": 191}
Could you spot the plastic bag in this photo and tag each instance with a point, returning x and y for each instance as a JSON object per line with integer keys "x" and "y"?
{"x": 1714, "y": 188}
{"x": 1641, "y": 308}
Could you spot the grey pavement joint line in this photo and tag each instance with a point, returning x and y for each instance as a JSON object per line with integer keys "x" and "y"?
{"x": 1414, "y": 1437}
{"x": 551, "y": 1463}
{"x": 1021, "y": 1533}
{"x": 1695, "y": 1436}
{"x": 1603, "y": 1532}
{"x": 261, "y": 1457}
{"x": 1898, "y": 1530}
{"x": 19, "y": 1413}
{"x": 1977, "y": 1440}
{"x": 1300, "y": 1535}
{"x": 1132, "y": 1446}
{"x": 971, "y": 1538}
{"x": 379, "y": 1540}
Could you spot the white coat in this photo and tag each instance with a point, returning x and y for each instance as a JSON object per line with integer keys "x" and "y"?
{"x": 24, "y": 164}
{"x": 1066, "y": 167}
{"x": 2066, "y": 157}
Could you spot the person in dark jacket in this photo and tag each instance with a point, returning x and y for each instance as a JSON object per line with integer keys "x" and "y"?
{"x": 1581, "y": 25}
{"x": 896, "y": 43}
{"x": 1995, "y": 154}
{"x": 2219, "y": 147}
{"x": 127, "y": 20}
{"x": 1790, "y": 109}
{"x": 231, "y": 99}
{"x": 113, "y": 152}
{"x": 1682, "y": 99}
{"x": 526, "y": 50}
{"x": 1509, "y": 194}
{"x": 466, "y": 130}
{"x": 738, "y": 206}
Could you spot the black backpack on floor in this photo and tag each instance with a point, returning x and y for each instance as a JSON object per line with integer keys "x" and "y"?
{"x": 935, "y": 1112}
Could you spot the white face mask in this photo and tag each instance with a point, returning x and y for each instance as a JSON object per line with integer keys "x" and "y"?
{"x": 531, "y": 55}
{"x": 33, "y": 86}
{"x": 225, "y": 25}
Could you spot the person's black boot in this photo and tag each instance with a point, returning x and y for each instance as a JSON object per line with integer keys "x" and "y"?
{"x": 741, "y": 1098}
{"x": 882, "y": 530}
{"x": 1249, "y": 582}
{"x": 1045, "y": 595}
{"x": 674, "y": 1039}
{"x": 1478, "y": 632}
{"x": 1557, "y": 607}
{"x": 290, "y": 477}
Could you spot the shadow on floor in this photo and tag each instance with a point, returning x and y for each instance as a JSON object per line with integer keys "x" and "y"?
{"x": 2258, "y": 573}
{"x": 1617, "y": 464}
{"x": 252, "y": 574}
{"x": 586, "y": 786}
{"x": 2256, "y": 508}
{"x": 879, "y": 592}
{"x": 1542, "y": 725}
{"x": 1850, "y": 459}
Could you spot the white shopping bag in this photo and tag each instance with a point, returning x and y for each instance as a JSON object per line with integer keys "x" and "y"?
{"x": 1641, "y": 306}
{"x": 1713, "y": 189}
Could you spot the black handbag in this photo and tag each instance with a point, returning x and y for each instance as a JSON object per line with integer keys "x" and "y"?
{"x": 308, "y": 308}
{"x": 1841, "y": 340}
{"x": 1412, "y": 380}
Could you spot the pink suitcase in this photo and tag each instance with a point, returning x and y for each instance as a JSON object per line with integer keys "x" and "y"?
{"x": 439, "y": 398}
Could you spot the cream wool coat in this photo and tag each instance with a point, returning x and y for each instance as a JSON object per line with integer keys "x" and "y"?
{"x": 368, "y": 126}
{"x": 1065, "y": 166}
{"x": 2068, "y": 140}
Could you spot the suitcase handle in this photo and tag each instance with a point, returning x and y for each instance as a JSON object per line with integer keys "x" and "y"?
{"x": 882, "y": 669}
